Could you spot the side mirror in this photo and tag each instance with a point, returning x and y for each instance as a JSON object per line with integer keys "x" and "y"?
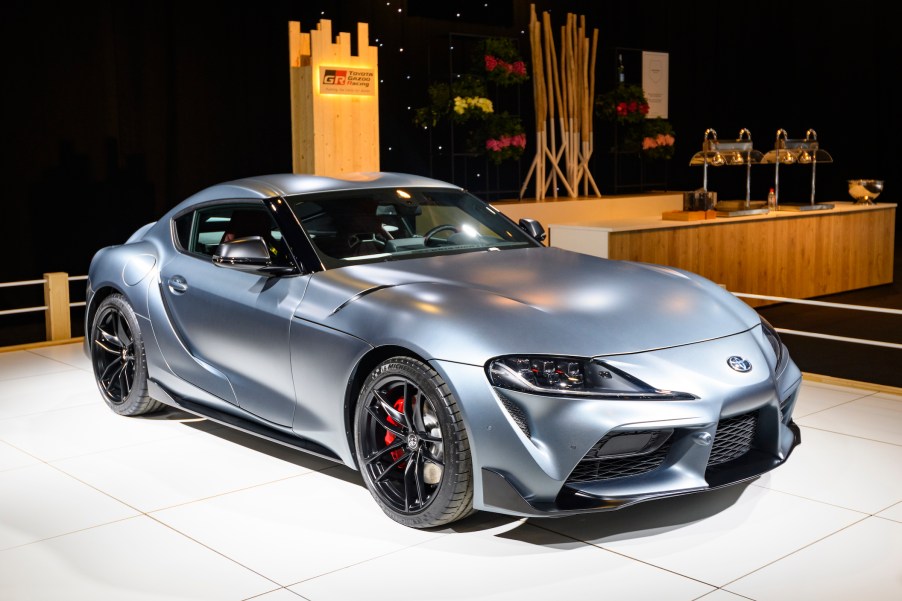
{"x": 533, "y": 228}
{"x": 247, "y": 254}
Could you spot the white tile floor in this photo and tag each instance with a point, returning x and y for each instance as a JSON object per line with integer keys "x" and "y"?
{"x": 96, "y": 506}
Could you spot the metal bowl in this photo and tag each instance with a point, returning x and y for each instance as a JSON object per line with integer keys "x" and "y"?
{"x": 864, "y": 191}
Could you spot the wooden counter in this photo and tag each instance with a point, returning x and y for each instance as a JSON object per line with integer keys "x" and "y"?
{"x": 794, "y": 254}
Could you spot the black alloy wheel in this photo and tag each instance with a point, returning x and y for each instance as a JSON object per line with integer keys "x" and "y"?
{"x": 412, "y": 447}
{"x": 117, "y": 355}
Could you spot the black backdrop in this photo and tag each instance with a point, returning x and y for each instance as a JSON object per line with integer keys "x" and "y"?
{"x": 114, "y": 111}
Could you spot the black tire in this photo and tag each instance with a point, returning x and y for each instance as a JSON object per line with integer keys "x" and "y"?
{"x": 412, "y": 447}
{"x": 117, "y": 356}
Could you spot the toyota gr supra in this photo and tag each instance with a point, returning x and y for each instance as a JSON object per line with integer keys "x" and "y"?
{"x": 409, "y": 330}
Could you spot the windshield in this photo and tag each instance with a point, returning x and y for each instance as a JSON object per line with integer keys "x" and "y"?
{"x": 383, "y": 225}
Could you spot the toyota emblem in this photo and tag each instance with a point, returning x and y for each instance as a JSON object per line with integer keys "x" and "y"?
{"x": 739, "y": 364}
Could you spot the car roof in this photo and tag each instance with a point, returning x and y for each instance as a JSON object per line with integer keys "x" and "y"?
{"x": 287, "y": 184}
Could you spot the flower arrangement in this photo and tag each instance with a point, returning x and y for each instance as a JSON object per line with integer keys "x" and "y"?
{"x": 496, "y": 134}
{"x": 502, "y": 137}
{"x": 471, "y": 106}
{"x": 443, "y": 102}
{"x": 626, "y": 104}
{"x": 658, "y": 139}
{"x": 505, "y": 147}
{"x": 502, "y": 62}
{"x": 504, "y": 72}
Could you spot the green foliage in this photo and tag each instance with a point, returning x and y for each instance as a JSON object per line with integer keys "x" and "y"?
{"x": 501, "y": 48}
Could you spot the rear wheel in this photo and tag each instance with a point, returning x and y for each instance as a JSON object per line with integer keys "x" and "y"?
{"x": 117, "y": 356}
{"x": 412, "y": 447}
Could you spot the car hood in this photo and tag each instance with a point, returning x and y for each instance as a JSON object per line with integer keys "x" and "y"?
{"x": 544, "y": 300}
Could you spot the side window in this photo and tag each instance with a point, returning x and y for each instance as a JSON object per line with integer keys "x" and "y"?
{"x": 209, "y": 227}
{"x": 183, "y": 230}
{"x": 199, "y": 232}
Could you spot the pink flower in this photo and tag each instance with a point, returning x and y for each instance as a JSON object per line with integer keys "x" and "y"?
{"x": 519, "y": 68}
{"x": 490, "y": 62}
{"x": 519, "y": 140}
{"x": 492, "y": 144}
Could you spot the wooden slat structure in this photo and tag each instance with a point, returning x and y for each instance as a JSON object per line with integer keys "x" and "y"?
{"x": 802, "y": 257}
{"x": 333, "y": 130}
{"x": 791, "y": 254}
{"x": 564, "y": 96}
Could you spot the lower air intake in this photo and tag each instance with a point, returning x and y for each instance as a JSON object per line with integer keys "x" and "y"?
{"x": 596, "y": 466}
{"x": 733, "y": 439}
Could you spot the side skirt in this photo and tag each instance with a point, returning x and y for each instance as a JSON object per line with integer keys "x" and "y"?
{"x": 238, "y": 422}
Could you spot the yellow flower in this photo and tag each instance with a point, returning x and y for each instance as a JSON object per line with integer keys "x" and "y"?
{"x": 485, "y": 104}
{"x": 462, "y": 105}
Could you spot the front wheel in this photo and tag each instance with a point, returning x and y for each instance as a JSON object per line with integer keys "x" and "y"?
{"x": 412, "y": 447}
{"x": 117, "y": 356}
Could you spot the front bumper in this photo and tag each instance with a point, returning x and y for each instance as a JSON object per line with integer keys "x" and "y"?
{"x": 542, "y": 455}
{"x": 501, "y": 495}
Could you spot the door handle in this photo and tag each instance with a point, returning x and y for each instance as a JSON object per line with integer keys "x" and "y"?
{"x": 177, "y": 284}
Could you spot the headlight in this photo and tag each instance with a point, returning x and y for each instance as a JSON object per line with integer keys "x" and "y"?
{"x": 571, "y": 376}
{"x": 771, "y": 334}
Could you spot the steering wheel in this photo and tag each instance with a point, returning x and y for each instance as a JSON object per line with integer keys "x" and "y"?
{"x": 427, "y": 237}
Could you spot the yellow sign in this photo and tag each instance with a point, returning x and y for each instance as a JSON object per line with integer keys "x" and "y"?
{"x": 345, "y": 80}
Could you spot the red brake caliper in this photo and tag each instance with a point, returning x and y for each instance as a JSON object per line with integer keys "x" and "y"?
{"x": 389, "y": 437}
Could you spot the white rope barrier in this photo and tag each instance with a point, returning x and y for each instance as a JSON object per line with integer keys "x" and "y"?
{"x": 71, "y": 278}
{"x": 840, "y": 338}
{"x": 886, "y": 310}
{"x": 832, "y": 306}
{"x": 23, "y": 283}
{"x": 25, "y": 310}
{"x": 820, "y": 303}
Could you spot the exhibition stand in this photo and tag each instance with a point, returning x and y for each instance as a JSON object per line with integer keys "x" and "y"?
{"x": 789, "y": 254}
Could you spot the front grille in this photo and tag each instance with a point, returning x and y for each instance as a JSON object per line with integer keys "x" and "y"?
{"x": 592, "y": 468}
{"x": 734, "y": 438}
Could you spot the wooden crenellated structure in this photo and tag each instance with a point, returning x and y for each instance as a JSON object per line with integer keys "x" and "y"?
{"x": 334, "y": 101}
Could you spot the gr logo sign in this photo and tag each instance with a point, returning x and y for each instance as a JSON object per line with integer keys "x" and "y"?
{"x": 347, "y": 80}
{"x": 335, "y": 77}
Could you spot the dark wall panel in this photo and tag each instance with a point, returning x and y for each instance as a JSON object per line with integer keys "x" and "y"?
{"x": 115, "y": 111}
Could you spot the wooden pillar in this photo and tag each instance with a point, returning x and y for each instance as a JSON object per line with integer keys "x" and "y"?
{"x": 334, "y": 101}
{"x": 56, "y": 299}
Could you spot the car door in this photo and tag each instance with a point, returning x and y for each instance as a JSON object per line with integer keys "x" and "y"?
{"x": 234, "y": 324}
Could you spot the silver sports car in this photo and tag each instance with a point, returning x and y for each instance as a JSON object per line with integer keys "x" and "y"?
{"x": 409, "y": 330}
